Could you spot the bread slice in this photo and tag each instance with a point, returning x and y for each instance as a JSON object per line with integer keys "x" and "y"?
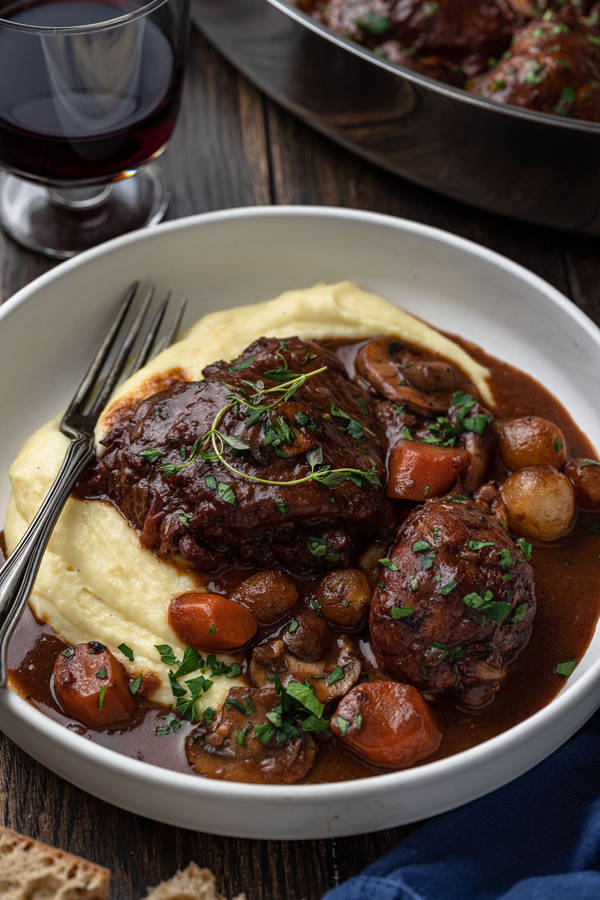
{"x": 33, "y": 871}
{"x": 192, "y": 883}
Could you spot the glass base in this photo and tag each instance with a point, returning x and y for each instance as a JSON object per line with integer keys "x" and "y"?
{"x": 61, "y": 222}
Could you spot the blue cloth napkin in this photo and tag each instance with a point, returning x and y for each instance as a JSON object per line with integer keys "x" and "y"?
{"x": 538, "y": 838}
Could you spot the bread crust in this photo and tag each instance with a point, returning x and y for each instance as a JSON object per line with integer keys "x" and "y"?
{"x": 29, "y": 868}
{"x": 192, "y": 883}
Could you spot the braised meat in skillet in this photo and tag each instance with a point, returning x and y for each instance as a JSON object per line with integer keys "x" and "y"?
{"x": 539, "y": 54}
{"x": 460, "y": 32}
{"x": 551, "y": 66}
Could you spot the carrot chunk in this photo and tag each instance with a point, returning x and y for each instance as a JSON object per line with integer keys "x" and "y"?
{"x": 92, "y": 686}
{"x": 388, "y": 723}
{"x": 211, "y": 621}
{"x": 420, "y": 471}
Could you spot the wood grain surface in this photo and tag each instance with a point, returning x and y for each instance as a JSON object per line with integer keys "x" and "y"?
{"x": 233, "y": 147}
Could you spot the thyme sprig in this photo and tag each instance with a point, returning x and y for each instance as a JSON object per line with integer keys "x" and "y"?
{"x": 211, "y": 445}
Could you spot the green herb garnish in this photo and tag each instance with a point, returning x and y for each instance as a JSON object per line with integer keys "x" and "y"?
{"x": 565, "y": 668}
{"x": 401, "y": 612}
{"x": 126, "y": 651}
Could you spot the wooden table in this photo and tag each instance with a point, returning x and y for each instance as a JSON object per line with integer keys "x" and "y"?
{"x": 233, "y": 147}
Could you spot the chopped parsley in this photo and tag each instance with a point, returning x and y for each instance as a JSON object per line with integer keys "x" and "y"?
{"x": 305, "y": 696}
{"x": 305, "y": 421}
{"x": 505, "y": 559}
{"x": 166, "y": 654}
{"x": 224, "y": 491}
{"x": 152, "y": 455}
{"x": 401, "y": 612}
{"x": 135, "y": 685}
{"x": 354, "y": 428}
{"x": 126, "y": 651}
{"x": 446, "y": 589}
{"x": 342, "y": 724}
{"x": 426, "y": 561}
{"x": 171, "y": 724}
{"x": 190, "y": 662}
{"x": 336, "y": 675}
{"x": 445, "y": 434}
{"x": 243, "y": 365}
{"x": 494, "y": 610}
{"x": 242, "y": 735}
{"x": 479, "y": 545}
{"x": 520, "y": 612}
{"x": 318, "y": 547}
{"x": 421, "y": 546}
{"x": 445, "y": 653}
{"x": 525, "y": 547}
{"x": 565, "y": 668}
{"x": 246, "y": 708}
{"x": 373, "y": 23}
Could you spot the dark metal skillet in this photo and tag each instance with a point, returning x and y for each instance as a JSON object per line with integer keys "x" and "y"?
{"x": 522, "y": 163}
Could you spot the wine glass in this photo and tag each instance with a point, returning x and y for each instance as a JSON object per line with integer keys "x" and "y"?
{"x": 89, "y": 95}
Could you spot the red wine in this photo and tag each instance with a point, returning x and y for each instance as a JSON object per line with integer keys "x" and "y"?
{"x": 91, "y": 105}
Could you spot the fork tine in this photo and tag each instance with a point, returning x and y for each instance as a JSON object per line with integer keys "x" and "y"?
{"x": 173, "y": 329}
{"x": 89, "y": 379}
{"x": 119, "y": 361}
{"x": 143, "y": 353}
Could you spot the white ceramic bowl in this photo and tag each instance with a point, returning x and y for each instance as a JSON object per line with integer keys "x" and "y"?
{"x": 47, "y": 333}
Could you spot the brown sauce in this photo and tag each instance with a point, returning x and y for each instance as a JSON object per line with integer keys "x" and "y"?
{"x": 567, "y": 576}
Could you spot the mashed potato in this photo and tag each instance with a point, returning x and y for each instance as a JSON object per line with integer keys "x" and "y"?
{"x": 96, "y": 580}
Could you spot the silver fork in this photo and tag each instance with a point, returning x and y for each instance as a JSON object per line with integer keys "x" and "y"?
{"x": 18, "y": 574}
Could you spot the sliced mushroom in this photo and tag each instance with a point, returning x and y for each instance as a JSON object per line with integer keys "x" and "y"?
{"x": 425, "y": 385}
{"x": 331, "y": 677}
{"x": 268, "y": 660}
{"x": 490, "y": 499}
{"x": 482, "y": 447}
{"x": 231, "y": 749}
{"x": 487, "y": 675}
{"x": 394, "y": 420}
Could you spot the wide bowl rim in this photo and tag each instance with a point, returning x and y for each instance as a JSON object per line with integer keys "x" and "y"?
{"x": 426, "y": 773}
{"x": 447, "y": 90}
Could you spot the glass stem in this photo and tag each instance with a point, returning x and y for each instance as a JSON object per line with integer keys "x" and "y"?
{"x": 80, "y": 198}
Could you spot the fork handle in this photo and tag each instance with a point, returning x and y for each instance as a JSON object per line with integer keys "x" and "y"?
{"x": 18, "y": 574}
